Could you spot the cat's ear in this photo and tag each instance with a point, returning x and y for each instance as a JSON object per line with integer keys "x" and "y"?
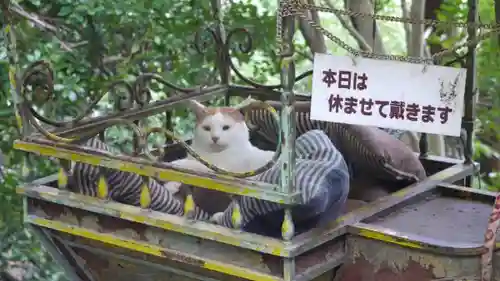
{"x": 198, "y": 108}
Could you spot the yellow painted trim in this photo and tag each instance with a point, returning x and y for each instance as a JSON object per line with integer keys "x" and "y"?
{"x": 150, "y": 249}
{"x": 401, "y": 193}
{"x": 367, "y": 233}
{"x": 160, "y": 220}
{"x": 219, "y": 183}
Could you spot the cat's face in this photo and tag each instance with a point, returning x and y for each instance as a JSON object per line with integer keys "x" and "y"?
{"x": 219, "y": 128}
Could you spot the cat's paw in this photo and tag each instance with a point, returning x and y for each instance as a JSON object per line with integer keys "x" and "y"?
{"x": 217, "y": 218}
{"x": 173, "y": 186}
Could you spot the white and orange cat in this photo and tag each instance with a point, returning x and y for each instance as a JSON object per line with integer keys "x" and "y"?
{"x": 222, "y": 138}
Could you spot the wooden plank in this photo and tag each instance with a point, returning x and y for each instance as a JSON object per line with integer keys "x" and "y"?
{"x": 157, "y": 219}
{"x": 154, "y": 250}
{"x": 316, "y": 237}
{"x": 159, "y": 170}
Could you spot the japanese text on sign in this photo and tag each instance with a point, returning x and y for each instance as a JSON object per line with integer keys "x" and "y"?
{"x": 388, "y": 94}
{"x": 345, "y": 79}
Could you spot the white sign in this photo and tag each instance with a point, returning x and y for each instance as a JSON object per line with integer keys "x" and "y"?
{"x": 388, "y": 94}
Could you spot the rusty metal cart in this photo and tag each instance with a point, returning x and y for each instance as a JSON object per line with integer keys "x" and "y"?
{"x": 431, "y": 229}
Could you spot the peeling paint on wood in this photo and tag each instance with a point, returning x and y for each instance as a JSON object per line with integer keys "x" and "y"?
{"x": 205, "y": 254}
{"x": 128, "y": 228}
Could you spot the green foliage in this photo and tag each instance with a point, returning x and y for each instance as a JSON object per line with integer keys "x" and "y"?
{"x": 18, "y": 243}
{"x": 488, "y": 114}
{"x": 115, "y": 40}
{"x": 109, "y": 41}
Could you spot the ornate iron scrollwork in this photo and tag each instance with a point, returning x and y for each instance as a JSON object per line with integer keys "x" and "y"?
{"x": 132, "y": 100}
{"x": 245, "y": 47}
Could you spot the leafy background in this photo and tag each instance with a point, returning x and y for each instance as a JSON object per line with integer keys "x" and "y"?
{"x": 162, "y": 32}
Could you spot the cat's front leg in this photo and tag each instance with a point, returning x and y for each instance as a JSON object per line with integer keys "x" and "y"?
{"x": 217, "y": 218}
{"x": 190, "y": 164}
{"x": 185, "y": 163}
{"x": 173, "y": 186}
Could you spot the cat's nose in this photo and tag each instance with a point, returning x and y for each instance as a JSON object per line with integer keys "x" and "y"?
{"x": 215, "y": 139}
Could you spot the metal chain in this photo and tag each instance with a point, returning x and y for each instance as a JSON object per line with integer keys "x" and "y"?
{"x": 298, "y": 5}
{"x": 296, "y": 8}
{"x": 357, "y": 53}
{"x": 280, "y": 14}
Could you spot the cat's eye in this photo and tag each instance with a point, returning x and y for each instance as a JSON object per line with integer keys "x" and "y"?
{"x": 225, "y": 127}
{"x": 206, "y": 128}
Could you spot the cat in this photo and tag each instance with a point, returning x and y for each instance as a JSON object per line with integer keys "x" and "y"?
{"x": 222, "y": 138}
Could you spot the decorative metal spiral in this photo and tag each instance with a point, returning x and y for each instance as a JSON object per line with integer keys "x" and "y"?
{"x": 141, "y": 96}
{"x": 202, "y": 43}
{"x": 39, "y": 77}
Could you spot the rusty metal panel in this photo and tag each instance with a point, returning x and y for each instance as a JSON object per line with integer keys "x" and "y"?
{"x": 104, "y": 261}
{"x": 372, "y": 260}
{"x": 448, "y": 217}
{"x": 315, "y": 237}
{"x": 90, "y": 224}
{"x": 141, "y": 238}
{"x": 41, "y": 191}
{"x": 103, "y": 233}
{"x": 44, "y": 193}
{"x": 437, "y": 234}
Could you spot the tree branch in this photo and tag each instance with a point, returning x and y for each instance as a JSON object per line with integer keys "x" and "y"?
{"x": 406, "y": 26}
{"x": 363, "y": 45}
{"x": 416, "y": 47}
{"x": 319, "y": 36}
{"x": 35, "y": 19}
{"x": 43, "y": 25}
{"x": 314, "y": 38}
{"x": 365, "y": 26}
{"x": 310, "y": 38}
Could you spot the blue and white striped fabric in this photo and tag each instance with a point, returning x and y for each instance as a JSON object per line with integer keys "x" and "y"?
{"x": 393, "y": 132}
{"x": 363, "y": 155}
{"x": 322, "y": 176}
{"x": 125, "y": 187}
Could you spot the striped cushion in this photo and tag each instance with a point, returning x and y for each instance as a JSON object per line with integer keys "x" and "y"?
{"x": 125, "y": 187}
{"x": 395, "y": 133}
{"x": 321, "y": 175}
{"x": 366, "y": 149}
